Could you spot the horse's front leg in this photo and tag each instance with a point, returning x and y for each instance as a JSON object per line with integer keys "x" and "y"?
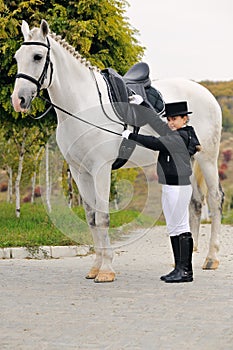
{"x": 103, "y": 247}
{"x": 94, "y": 190}
{"x": 102, "y": 181}
{"x": 90, "y": 217}
{"x": 101, "y": 269}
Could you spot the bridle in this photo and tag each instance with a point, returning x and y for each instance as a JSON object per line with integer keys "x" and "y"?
{"x": 43, "y": 75}
{"x": 41, "y": 80}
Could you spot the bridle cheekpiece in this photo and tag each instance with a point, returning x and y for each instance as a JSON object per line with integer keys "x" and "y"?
{"x": 43, "y": 75}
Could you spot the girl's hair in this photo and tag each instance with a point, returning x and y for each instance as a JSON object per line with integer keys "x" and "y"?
{"x": 186, "y": 117}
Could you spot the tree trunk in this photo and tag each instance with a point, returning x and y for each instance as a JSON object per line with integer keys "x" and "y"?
{"x": 34, "y": 176}
{"x": 33, "y": 187}
{"x": 70, "y": 188}
{"x": 18, "y": 178}
{"x": 10, "y": 185}
{"x": 47, "y": 177}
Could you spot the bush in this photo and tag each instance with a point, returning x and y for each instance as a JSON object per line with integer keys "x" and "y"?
{"x": 37, "y": 192}
{"x": 3, "y": 187}
{"x": 227, "y": 155}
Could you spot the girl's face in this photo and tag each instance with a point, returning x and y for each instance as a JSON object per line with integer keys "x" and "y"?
{"x": 176, "y": 122}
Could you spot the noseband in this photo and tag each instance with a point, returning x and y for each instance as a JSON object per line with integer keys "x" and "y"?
{"x": 43, "y": 75}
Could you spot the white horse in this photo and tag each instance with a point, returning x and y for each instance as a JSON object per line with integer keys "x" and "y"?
{"x": 47, "y": 62}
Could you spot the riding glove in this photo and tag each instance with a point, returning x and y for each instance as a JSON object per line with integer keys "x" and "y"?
{"x": 126, "y": 134}
{"x": 136, "y": 99}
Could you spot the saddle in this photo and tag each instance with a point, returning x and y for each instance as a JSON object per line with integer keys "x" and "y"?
{"x": 135, "y": 81}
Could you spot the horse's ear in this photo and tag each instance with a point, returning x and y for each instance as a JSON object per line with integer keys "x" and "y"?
{"x": 44, "y": 27}
{"x": 25, "y": 30}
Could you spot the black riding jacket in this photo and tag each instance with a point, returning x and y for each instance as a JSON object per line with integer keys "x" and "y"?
{"x": 174, "y": 166}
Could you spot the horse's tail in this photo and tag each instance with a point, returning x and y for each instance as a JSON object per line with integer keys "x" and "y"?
{"x": 200, "y": 179}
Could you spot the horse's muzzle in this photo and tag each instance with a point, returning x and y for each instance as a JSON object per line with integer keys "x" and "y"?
{"x": 21, "y": 100}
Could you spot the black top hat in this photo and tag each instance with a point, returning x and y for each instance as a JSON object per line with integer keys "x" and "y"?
{"x": 176, "y": 108}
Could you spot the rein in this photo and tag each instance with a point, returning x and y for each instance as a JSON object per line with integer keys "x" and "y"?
{"x": 41, "y": 80}
{"x": 74, "y": 116}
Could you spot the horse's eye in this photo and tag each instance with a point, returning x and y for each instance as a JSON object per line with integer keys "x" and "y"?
{"x": 37, "y": 57}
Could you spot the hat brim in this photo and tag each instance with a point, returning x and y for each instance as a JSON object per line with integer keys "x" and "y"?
{"x": 176, "y": 114}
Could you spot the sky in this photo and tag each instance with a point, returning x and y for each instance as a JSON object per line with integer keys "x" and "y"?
{"x": 185, "y": 38}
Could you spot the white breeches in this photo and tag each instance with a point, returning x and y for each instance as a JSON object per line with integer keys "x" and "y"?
{"x": 175, "y": 204}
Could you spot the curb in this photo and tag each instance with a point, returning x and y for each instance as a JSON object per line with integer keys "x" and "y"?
{"x": 44, "y": 252}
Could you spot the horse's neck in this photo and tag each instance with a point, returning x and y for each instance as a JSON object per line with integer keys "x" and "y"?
{"x": 73, "y": 87}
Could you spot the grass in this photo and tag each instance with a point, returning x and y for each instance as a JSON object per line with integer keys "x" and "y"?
{"x": 35, "y": 228}
{"x": 228, "y": 218}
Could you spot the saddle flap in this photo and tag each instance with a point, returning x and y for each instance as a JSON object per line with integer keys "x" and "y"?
{"x": 119, "y": 95}
{"x": 119, "y": 90}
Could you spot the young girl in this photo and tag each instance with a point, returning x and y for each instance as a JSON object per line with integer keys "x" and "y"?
{"x": 176, "y": 144}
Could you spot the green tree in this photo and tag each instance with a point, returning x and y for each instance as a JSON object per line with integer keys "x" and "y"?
{"x": 97, "y": 29}
{"x": 223, "y": 92}
{"x": 220, "y": 88}
{"x": 24, "y": 138}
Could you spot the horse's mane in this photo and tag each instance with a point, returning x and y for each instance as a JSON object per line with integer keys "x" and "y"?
{"x": 72, "y": 51}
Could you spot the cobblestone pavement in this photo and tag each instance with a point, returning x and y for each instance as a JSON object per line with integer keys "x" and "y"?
{"x": 48, "y": 304}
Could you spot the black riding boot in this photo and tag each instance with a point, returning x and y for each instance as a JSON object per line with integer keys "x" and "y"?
{"x": 176, "y": 252}
{"x": 184, "y": 271}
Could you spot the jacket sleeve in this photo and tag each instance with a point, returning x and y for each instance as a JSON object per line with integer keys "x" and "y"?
{"x": 150, "y": 142}
{"x": 195, "y": 136}
{"x": 172, "y": 143}
{"x": 160, "y": 126}
{"x": 193, "y": 144}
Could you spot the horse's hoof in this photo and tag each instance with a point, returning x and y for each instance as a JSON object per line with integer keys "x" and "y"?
{"x": 210, "y": 264}
{"x": 105, "y": 276}
{"x": 92, "y": 273}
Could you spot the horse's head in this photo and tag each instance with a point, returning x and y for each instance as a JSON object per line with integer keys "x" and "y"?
{"x": 33, "y": 61}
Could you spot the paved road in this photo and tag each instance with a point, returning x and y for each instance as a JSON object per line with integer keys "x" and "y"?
{"x": 49, "y": 305}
